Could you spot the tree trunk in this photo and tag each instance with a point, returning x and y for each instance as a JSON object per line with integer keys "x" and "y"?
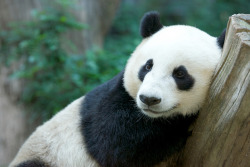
{"x": 13, "y": 123}
{"x": 221, "y": 134}
{"x": 14, "y": 11}
{"x": 98, "y": 16}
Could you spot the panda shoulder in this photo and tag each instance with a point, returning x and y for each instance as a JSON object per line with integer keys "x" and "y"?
{"x": 67, "y": 117}
{"x": 64, "y": 117}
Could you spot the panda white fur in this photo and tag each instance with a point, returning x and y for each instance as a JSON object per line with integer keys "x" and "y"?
{"x": 139, "y": 117}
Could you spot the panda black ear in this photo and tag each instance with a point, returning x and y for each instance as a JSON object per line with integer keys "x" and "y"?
{"x": 150, "y": 24}
{"x": 221, "y": 38}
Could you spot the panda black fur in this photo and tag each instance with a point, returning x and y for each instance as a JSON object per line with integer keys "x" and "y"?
{"x": 121, "y": 122}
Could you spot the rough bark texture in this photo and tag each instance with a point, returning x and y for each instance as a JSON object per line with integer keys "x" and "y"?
{"x": 221, "y": 135}
{"x": 96, "y": 14}
{"x": 14, "y": 10}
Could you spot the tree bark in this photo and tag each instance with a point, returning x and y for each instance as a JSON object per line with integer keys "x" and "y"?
{"x": 14, "y": 11}
{"x": 13, "y": 123}
{"x": 221, "y": 134}
{"x": 98, "y": 16}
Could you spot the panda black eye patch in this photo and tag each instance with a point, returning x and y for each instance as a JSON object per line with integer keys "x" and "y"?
{"x": 183, "y": 79}
{"x": 147, "y": 67}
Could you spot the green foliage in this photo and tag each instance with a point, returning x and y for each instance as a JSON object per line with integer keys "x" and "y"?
{"x": 124, "y": 34}
{"x": 208, "y": 15}
{"x": 53, "y": 77}
{"x": 45, "y": 64}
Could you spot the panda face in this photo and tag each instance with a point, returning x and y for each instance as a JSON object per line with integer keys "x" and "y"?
{"x": 170, "y": 71}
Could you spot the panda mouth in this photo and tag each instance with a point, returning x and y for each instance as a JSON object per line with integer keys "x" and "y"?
{"x": 160, "y": 112}
{"x": 155, "y": 112}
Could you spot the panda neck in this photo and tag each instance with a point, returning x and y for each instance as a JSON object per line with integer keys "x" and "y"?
{"x": 116, "y": 133}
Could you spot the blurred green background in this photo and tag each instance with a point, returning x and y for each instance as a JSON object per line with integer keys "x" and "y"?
{"x": 54, "y": 75}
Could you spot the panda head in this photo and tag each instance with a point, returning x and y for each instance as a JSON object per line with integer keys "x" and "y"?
{"x": 171, "y": 69}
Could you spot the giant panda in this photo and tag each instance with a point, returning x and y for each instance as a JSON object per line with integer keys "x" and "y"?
{"x": 142, "y": 115}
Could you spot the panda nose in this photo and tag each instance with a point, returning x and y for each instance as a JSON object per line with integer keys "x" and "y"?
{"x": 149, "y": 100}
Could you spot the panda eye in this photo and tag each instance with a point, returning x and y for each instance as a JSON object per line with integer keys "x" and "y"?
{"x": 145, "y": 68}
{"x": 149, "y": 64}
{"x": 148, "y": 67}
{"x": 180, "y": 74}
